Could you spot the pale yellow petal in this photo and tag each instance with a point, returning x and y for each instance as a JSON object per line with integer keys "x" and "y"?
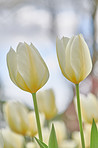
{"x": 60, "y": 49}
{"x": 68, "y": 68}
{"x": 46, "y": 103}
{"x": 31, "y": 67}
{"x": 13, "y": 72}
{"x": 12, "y": 65}
{"x": 16, "y": 116}
{"x": 11, "y": 139}
{"x": 32, "y": 131}
{"x": 80, "y": 58}
{"x": 89, "y": 108}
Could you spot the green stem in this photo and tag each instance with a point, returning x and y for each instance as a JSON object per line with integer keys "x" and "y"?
{"x": 79, "y": 116}
{"x": 37, "y": 116}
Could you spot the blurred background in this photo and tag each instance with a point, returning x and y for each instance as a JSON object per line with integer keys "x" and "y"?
{"x": 40, "y": 22}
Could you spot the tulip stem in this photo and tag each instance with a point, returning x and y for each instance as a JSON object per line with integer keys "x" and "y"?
{"x": 79, "y": 116}
{"x": 37, "y": 116}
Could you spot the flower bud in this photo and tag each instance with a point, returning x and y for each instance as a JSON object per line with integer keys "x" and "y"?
{"x": 46, "y": 103}
{"x": 16, "y": 115}
{"x": 26, "y": 68}
{"x": 74, "y": 58}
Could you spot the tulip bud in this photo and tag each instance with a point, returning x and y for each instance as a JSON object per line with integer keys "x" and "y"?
{"x": 12, "y": 140}
{"x": 74, "y": 58}
{"x": 46, "y": 103}
{"x": 32, "y": 131}
{"x": 89, "y": 108}
{"x": 16, "y": 115}
{"x": 26, "y": 68}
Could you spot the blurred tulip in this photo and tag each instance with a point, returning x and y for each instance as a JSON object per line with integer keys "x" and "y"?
{"x": 89, "y": 108}
{"x": 32, "y": 123}
{"x": 1, "y": 141}
{"x": 74, "y": 58}
{"x": 76, "y": 136}
{"x": 87, "y": 133}
{"x": 68, "y": 144}
{"x": 16, "y": 115}
{"x": 61, "y": 131}
{"x": 26, "y": 68}
{"x": 12, "y": 140}
{"x": 46, "y": 103}
{"x": 31, "y": 145}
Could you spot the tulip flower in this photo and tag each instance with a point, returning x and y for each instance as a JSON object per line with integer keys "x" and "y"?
{"x": 46, "y": 103}
{"x": 26, "y": 68}
{"x": 12, "y": 140}
{"x": 89, "y": 107}
{"x": 1, "y": 141}
{"x": 74, "y": 58}
{"x": 28, "y": 71}
{"x": 16, "y": 115}
{"x": 75, "y": 63}
{"x": 32, "y": 123}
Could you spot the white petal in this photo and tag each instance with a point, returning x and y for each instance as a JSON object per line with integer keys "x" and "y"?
{"x": 31, "y": 66}
{"x": 69, "y": 70}
{"x": 80, "y": 58}
{"x": 14, "y": 74}
{"x": 60, "y": 48}
{"x": 89, "y": 108}
{"x": 12, "y": 65}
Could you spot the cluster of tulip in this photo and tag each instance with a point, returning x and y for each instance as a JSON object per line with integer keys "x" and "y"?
{"x": 29, "y": 72}
{"x": 22, "y": 125}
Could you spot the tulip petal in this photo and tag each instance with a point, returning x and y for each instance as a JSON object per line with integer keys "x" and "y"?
{"x": 47, "y": 106}
{"x": 60, "y": 48}
{"x": 80, "y": 58}
{"x": 14, "y": 74}
{"x": 12, "y": 65}
{"x": 89, "y": 107}
{"x": 31, "y": 67}
{"x": 44, "y": 70}
{"x": 16, "y": 116}
{"x": 69, "y": 70}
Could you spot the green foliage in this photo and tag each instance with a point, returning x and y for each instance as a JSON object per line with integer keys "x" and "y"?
{"x": 41, "y": 144}
{"x": 53, "y": 139}
{"x": 94, "y": 136}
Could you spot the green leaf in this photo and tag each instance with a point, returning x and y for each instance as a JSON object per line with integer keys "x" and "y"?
{"x": 53, "y": 139}
{"x": 94, "y": 136}
{"x": 41, "y": 144}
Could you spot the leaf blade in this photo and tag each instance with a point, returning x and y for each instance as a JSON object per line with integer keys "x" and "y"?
{"x": 41, "y": 144}
{"x": 94, "y": 136}
{"x": 53, "y": 139}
